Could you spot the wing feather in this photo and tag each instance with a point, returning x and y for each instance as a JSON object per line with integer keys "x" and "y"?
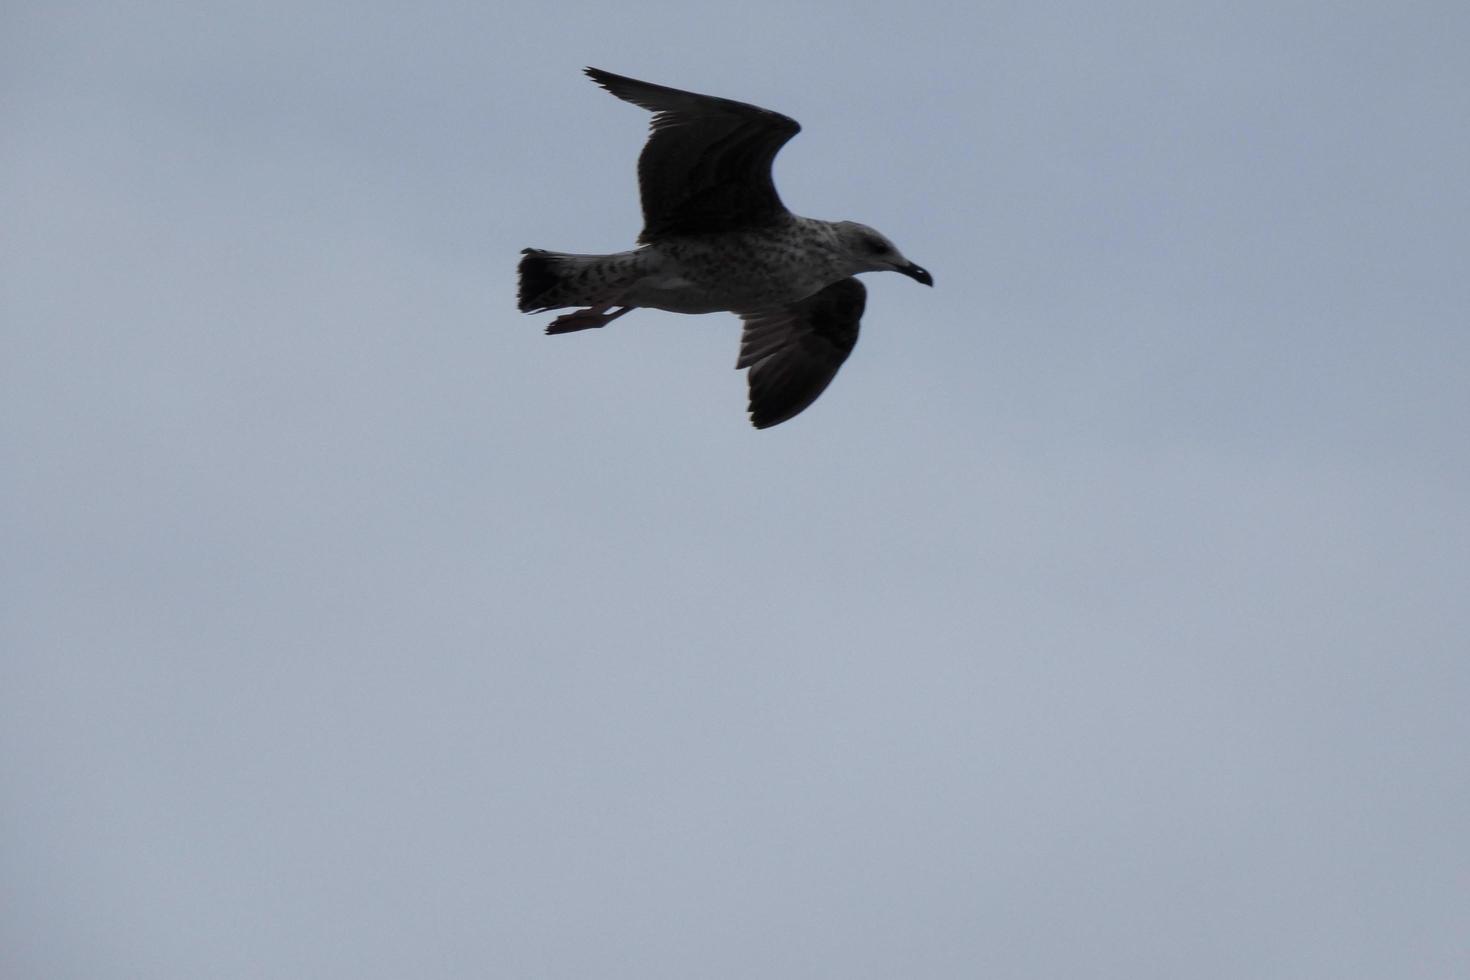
{"x": 707, "y": 165}
{"x": 793, "y": 352}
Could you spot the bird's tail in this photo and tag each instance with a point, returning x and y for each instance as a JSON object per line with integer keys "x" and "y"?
{"x": 539, "y": 276}
{"x": 552, "y": 280}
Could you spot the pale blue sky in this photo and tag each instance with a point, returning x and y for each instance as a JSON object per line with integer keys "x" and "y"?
{"x": 1106, "y": 618}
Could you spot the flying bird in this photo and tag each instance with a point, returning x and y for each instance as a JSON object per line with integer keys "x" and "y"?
{"x": 716, "y": 237}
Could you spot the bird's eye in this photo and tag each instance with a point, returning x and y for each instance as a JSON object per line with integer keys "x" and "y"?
{"x": 876, "y": 246}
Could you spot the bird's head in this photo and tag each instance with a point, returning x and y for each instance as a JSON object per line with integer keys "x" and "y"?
{"x": 870, "y": 251}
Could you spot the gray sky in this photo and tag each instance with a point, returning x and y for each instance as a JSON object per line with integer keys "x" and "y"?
{"x": 1107, "y": 617}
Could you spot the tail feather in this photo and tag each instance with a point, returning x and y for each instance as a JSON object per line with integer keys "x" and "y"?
{"x": 539, "y": 275}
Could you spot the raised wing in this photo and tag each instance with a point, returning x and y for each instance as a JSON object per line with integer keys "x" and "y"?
{"x": 707, "y": 164}
{"x": 794, "y": 352}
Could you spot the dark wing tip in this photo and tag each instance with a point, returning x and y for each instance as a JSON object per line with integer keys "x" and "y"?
{"x": 661, "y": 98}
{"x": 644, "y": 94}
{"x": 781, "y": 393}
{"x": 629, "y": 89}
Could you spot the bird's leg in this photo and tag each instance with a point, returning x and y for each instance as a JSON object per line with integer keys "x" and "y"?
{"x": 585, "y": 319}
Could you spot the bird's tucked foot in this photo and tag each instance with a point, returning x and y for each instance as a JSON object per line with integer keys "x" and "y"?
{"x": 585, "y": 319}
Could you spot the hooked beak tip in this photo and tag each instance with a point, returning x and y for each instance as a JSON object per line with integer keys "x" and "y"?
{"x": 917, "y": 274}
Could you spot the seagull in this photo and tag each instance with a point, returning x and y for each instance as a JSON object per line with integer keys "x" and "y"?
{"x": 716, "y": 238}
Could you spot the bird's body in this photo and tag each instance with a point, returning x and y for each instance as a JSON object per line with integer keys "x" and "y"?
{"x": 717, "y": 238}
{"x": 733, "y": 271}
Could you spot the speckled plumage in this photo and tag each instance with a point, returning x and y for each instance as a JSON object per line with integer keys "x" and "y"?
{"x": 716, "y": 237}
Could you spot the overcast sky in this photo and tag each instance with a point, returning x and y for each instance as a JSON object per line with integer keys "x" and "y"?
{"x": 1108, "y": 617}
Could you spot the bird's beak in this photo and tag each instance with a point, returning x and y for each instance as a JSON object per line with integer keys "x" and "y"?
{"x": 917, "y": 274}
